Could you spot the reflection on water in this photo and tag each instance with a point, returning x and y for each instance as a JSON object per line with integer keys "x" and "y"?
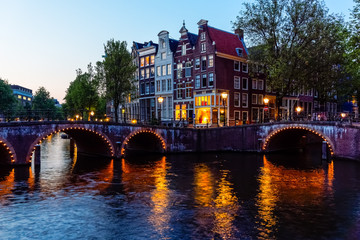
{"x": 200, "y": 196}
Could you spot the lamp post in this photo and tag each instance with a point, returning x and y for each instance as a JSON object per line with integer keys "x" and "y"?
{"x": 91, "y": 115}
{"x": 160, "y": 100}
{"x": 298, "y": 110}
{"x": 267, "y": 109}
{"x": 224, "y": 96}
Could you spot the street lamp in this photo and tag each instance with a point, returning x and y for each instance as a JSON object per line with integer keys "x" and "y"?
{"x": 266, "y": 101}
{"x": 224, "y": 96}
{"x": 77, "y": 117}
{"x": 160, "y": 100}
{"x": 298, "y": 110}
{"x": 123, "y": 112}
{"x": 91, "y": 115}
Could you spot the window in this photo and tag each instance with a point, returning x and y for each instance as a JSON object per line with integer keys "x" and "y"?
{"x": 237, "y": 99}
{"x": 197, "y": 81}
{"x": 211, "y": 79}
{"x": 239, "y": 52}
{"x": 158, "y": 71}
{"x": 203, "y": 47}
{"x": 237, "y": 117}
{"x": 162, "y": 43}
{"x": 147, "y": 72}
{"x": 169, "y": 84}
{"x": 163, "y": 85}
{"x": 163, "y": 55}
{"x": 203, "y": 36}
{"x": 147, "y": 60}
{"x": 152, "y": 72}
{"x": 204, "y": 80}
{"x": 203, "y": 63}
{"x": 19, "y": 96}
{"x": 179, "y": 91}
{"x": 237, "y": 82}
{"x": 245, "y": 100}
{"x": 245, "y": 67}
{"x": 170, "y": 106}
{"x": 179, "y": 70}
{"x": 188, "y": 69}
{"x": 244, "y": 83}
{"x": 197, "y": 63}
{"x": 211, "y": 60}
{"x": 261, "y": 84}
{"x": 152, "y": 59}
{"x": 142, "y": 62}
{"x": 147, "y": 88}
{"x": 142, "y": 74}
{"x": 245, "y": 116}
{"x": 183, "y": 49}
{"x": 236, "y": 65}
{"x": 152, "y": 87}
{"x": 254, "y": 84}
{"x": 261, "y": 99}
{"x": 254, "y": 99}
{"x": 169, "y": 69}
{"x": 188, "y": 90}
{"x": 142, "y": 88}
{"x": 163, "y": 70}
{"x": 158, "y": 86}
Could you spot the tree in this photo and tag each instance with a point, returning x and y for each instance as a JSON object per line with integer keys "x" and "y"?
{"x": 117, "y": 73}
{"x": 7, "y": 99}
{"x": 83, "y": 93}
{"x": 294, "y": 40}
{"x": 353, "y": 50}
{"x": 43, "y": 104}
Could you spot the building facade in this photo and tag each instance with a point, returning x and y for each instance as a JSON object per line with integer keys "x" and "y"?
{"x": 24, "y": 95}
{"x": 164, "y": 77}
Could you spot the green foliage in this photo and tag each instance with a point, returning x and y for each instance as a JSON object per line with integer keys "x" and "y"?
{"x": 82, "y": 95}
{"x": 7, "y": 99}
{"x": 117, "y": 73}
{"x": 297, "y": 41}
{"x": 43, "y": 105}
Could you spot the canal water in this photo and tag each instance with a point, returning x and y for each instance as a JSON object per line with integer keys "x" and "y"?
{"x": 197, "y": 196}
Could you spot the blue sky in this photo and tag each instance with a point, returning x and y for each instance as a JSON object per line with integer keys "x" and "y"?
{"x": 43, "y": 42}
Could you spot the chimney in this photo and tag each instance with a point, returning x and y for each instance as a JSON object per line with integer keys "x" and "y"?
{"x": 202, "y": 22}
{"x": 240, "y": 33}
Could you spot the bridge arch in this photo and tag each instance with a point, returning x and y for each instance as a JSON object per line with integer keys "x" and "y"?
{"x": 282, "y": 130}
{"x": 143, "y": 140}
{"x": 7, "y": 152}
{"x": 87, "y": 140}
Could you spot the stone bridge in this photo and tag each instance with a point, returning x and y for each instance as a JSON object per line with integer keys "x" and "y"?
{"x": 18, "y": 139}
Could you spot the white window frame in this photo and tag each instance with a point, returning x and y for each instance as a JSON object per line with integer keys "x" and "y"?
{"x": 239, "y": 102}
{"x": 237, "y": 82}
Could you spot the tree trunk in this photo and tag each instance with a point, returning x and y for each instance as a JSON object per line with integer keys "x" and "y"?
{"x": 116, "y": 106}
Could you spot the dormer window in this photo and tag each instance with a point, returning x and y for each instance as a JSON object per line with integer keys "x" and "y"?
{"x": 239, "y": 52}
{"x": 183, "y": 49}
{"x": 203, "y": 36}
{"x": 163, "y": 43}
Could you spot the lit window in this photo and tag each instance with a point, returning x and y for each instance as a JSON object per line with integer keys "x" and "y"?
{"x": 152, "y": 59}
{"x": 211, "y": 60}
{"x": 19, "y": 96}
{"x": 152, "y": 72}
{"x": 24, "y": 97}
{"x": 29, "y": 99}
{"x": 147, "y": 72}
{"x": 147, "y": 61}
{"x": 261, "y": 99}
{"x": 237, "y": 82}
{"x": 142, "y": 62}
{"x": 142, "y": 74}
{"x": 169, "y": 69}
{"x": 164, "y": 70}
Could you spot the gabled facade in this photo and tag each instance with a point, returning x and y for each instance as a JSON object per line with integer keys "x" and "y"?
{"x": 183, "y": 77}
{"x": 164, "y": 76}
{"x": 145, "y": 57}
{"x": 221, "y": 67}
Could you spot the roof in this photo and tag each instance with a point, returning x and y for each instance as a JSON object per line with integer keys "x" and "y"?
{"x": 226, "y": 42}
{"x": 144, "y": 45}
{"x": 173, "y": 44}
